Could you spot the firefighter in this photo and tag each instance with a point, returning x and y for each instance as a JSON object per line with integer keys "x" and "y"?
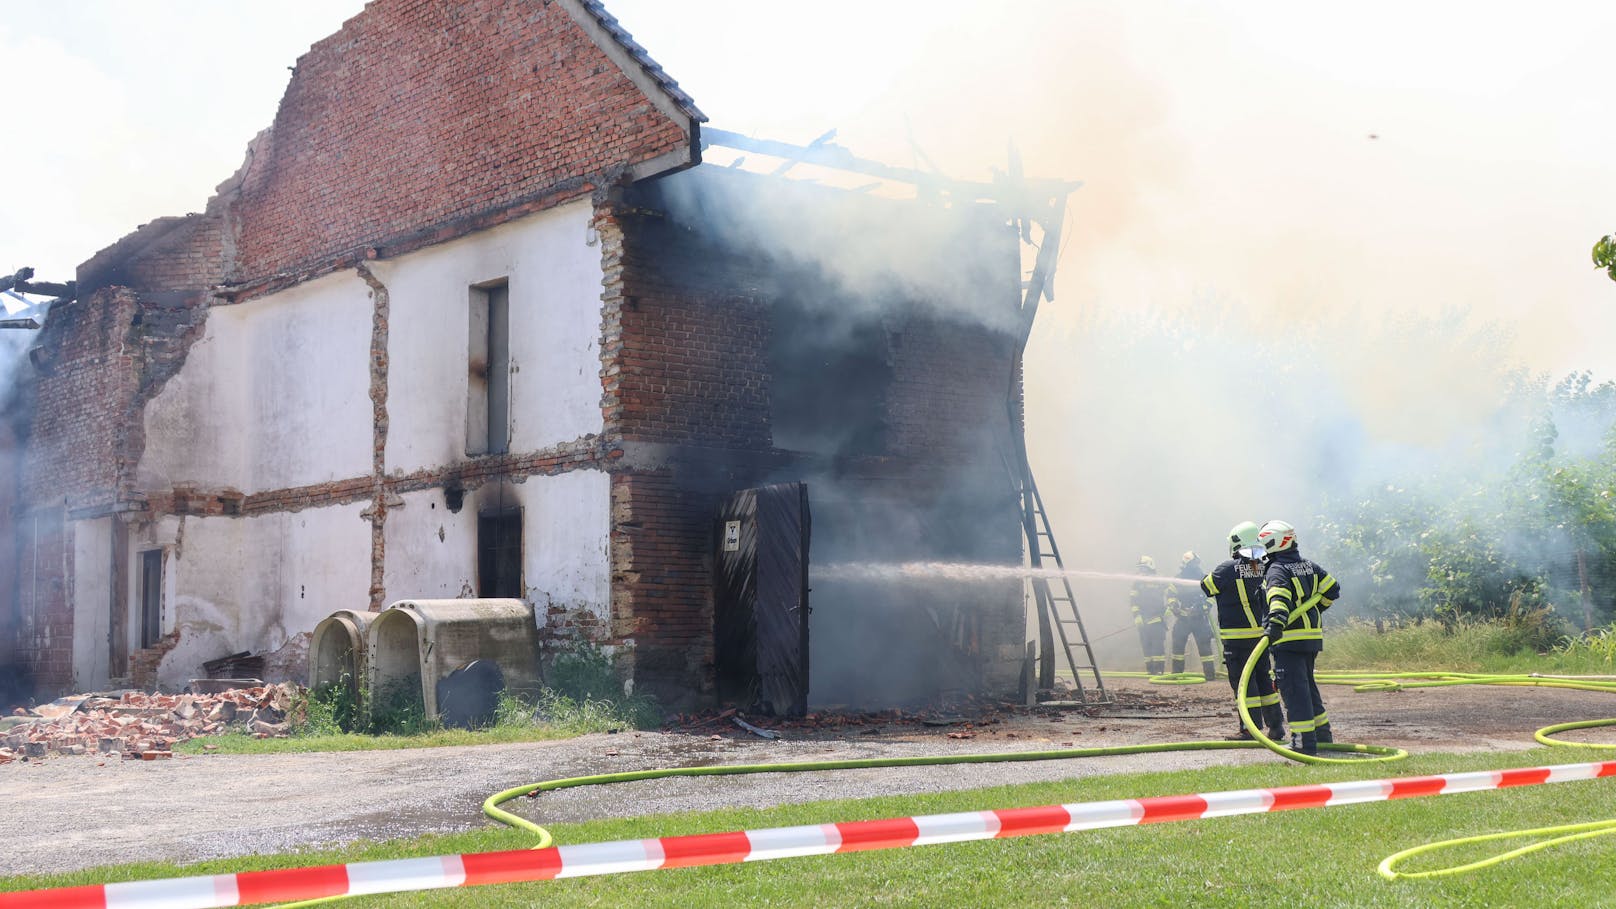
{"x": 1190, "y": 620}
{"x": 1297, "y": 592}
{"x": 1149, "y": 602}
{"x": 1236, "y": 585}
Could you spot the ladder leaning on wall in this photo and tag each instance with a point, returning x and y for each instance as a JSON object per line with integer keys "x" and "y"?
{"x": 1061, "y": 636}
{"x": 1056, "y": 604}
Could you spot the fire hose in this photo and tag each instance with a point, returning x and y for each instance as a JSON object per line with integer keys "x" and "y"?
{"x": 331, "y": 883}
{"x": 1366, "y": 753}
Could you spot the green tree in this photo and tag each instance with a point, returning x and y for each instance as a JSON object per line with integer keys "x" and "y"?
{"x": 1605, "y": 255}
{"x": 1503, "y": 546}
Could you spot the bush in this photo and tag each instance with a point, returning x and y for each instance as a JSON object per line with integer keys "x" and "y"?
{"x": 332, "y": 709}
{"x": 583, "y": 694}
{"x": 1530, "y": 628}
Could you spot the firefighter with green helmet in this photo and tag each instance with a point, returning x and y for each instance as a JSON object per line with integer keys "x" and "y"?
{"x": 1190, "y": 620}
{"x": 1297, "y": 591}
{"x": 1236, "y": 586}
{"x": 1149, "y": 602}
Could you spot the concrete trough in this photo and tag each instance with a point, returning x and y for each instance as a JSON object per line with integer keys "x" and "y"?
{"x": 452, "y": 655}
{"x": 339, "y": 650}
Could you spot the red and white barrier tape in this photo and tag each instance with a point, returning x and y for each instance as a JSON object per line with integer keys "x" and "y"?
{"x": 293, "y": 884}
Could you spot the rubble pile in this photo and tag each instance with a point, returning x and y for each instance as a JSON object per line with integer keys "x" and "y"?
{"x": 139, "y": 725}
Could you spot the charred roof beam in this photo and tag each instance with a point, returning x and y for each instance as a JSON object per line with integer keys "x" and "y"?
{"x": 22, "y": 283}
{"x": 825, "y": 153}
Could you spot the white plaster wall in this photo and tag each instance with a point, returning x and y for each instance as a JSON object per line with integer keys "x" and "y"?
{"x": 431, "y": 552}
{"x": 566, "y": 535}
{"x": 92, "y": 602}
{"x": 566, "y": 526}
{"x": 253, "y": 583}
{"x": 275, "y": 394}
{"x": 554, "y": 278}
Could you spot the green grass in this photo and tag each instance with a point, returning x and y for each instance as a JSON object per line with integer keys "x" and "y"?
{"x": 1468, "y": 647}
{"x": 1320, "y": 857}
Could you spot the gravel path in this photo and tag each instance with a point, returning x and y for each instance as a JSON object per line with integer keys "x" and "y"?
{"x": 78, "y": 812}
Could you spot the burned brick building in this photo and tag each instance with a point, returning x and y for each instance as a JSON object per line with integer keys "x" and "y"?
{"x": 474, "y": 319}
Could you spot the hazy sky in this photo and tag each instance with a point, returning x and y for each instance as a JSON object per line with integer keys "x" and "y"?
{"x": 1226, "y": 146}
{"x": 1248, "y": 165}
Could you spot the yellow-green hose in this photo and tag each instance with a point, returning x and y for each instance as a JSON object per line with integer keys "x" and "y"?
{"x": 1361, "y": 681}
{"x": 1373, "y": 753}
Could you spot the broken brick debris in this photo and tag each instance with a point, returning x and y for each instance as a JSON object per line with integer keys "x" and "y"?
{"x": 143, "y": 726}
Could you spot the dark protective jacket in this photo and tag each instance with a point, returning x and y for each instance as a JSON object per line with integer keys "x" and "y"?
{"x": 1190, "y": 605}
{"x": 1149, "y": 602}
{"x": 1298, "y": 590}
{"x": 1236, "y": 585}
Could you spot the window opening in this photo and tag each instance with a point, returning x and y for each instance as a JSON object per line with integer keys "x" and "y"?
{"x": 151, "y": 597}
{"x": 489, "y": 371}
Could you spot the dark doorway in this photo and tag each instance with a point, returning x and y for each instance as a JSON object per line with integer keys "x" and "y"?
{"x": 499, "y": 554}
{"x": 151, "y": 597}
{"x": 760, "y": 609}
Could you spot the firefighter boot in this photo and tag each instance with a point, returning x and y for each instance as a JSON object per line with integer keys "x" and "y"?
{"x": 1275, "y": 718}
{"x": 1178, "y": 665}
{"x": 1208, "y": 670}
{"x": 1325, "y": 735}
{"x": 1154, "y": 665}
{"x": 1305, "y": 743}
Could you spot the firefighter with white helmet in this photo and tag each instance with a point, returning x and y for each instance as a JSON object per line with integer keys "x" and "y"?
{"x": 1236, "y": 586}
{"x": 1297, "y": 591}
{"x": 1190, "y": 620}
{"x": 1149, "y": 603}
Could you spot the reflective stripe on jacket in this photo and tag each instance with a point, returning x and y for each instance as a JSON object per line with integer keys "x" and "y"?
{"x": 1236, "y": 585}
{"x": 1299, "y": 590}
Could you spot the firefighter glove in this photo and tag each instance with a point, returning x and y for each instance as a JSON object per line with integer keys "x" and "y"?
{"x": 1275, "y": 626}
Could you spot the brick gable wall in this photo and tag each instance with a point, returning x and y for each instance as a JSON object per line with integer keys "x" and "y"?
{"x": 419, "y": 121}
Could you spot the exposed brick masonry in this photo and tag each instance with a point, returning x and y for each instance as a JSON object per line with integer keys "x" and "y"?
{"x": 662, "y": 583}
{"x": 379, "y": 424}
{"x": 693, "y": 347}
{"x": 949, "y": 386}
{"x": 82, "y": 402}
{"x": 420, "y": 114}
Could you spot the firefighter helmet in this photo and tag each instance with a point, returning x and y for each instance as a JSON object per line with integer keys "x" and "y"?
{"x": 1187, "y": 558}
{"x": 1277, "y": 536}
{"x": 1242, "y": 536}
{"x": 1146, "y": 565}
